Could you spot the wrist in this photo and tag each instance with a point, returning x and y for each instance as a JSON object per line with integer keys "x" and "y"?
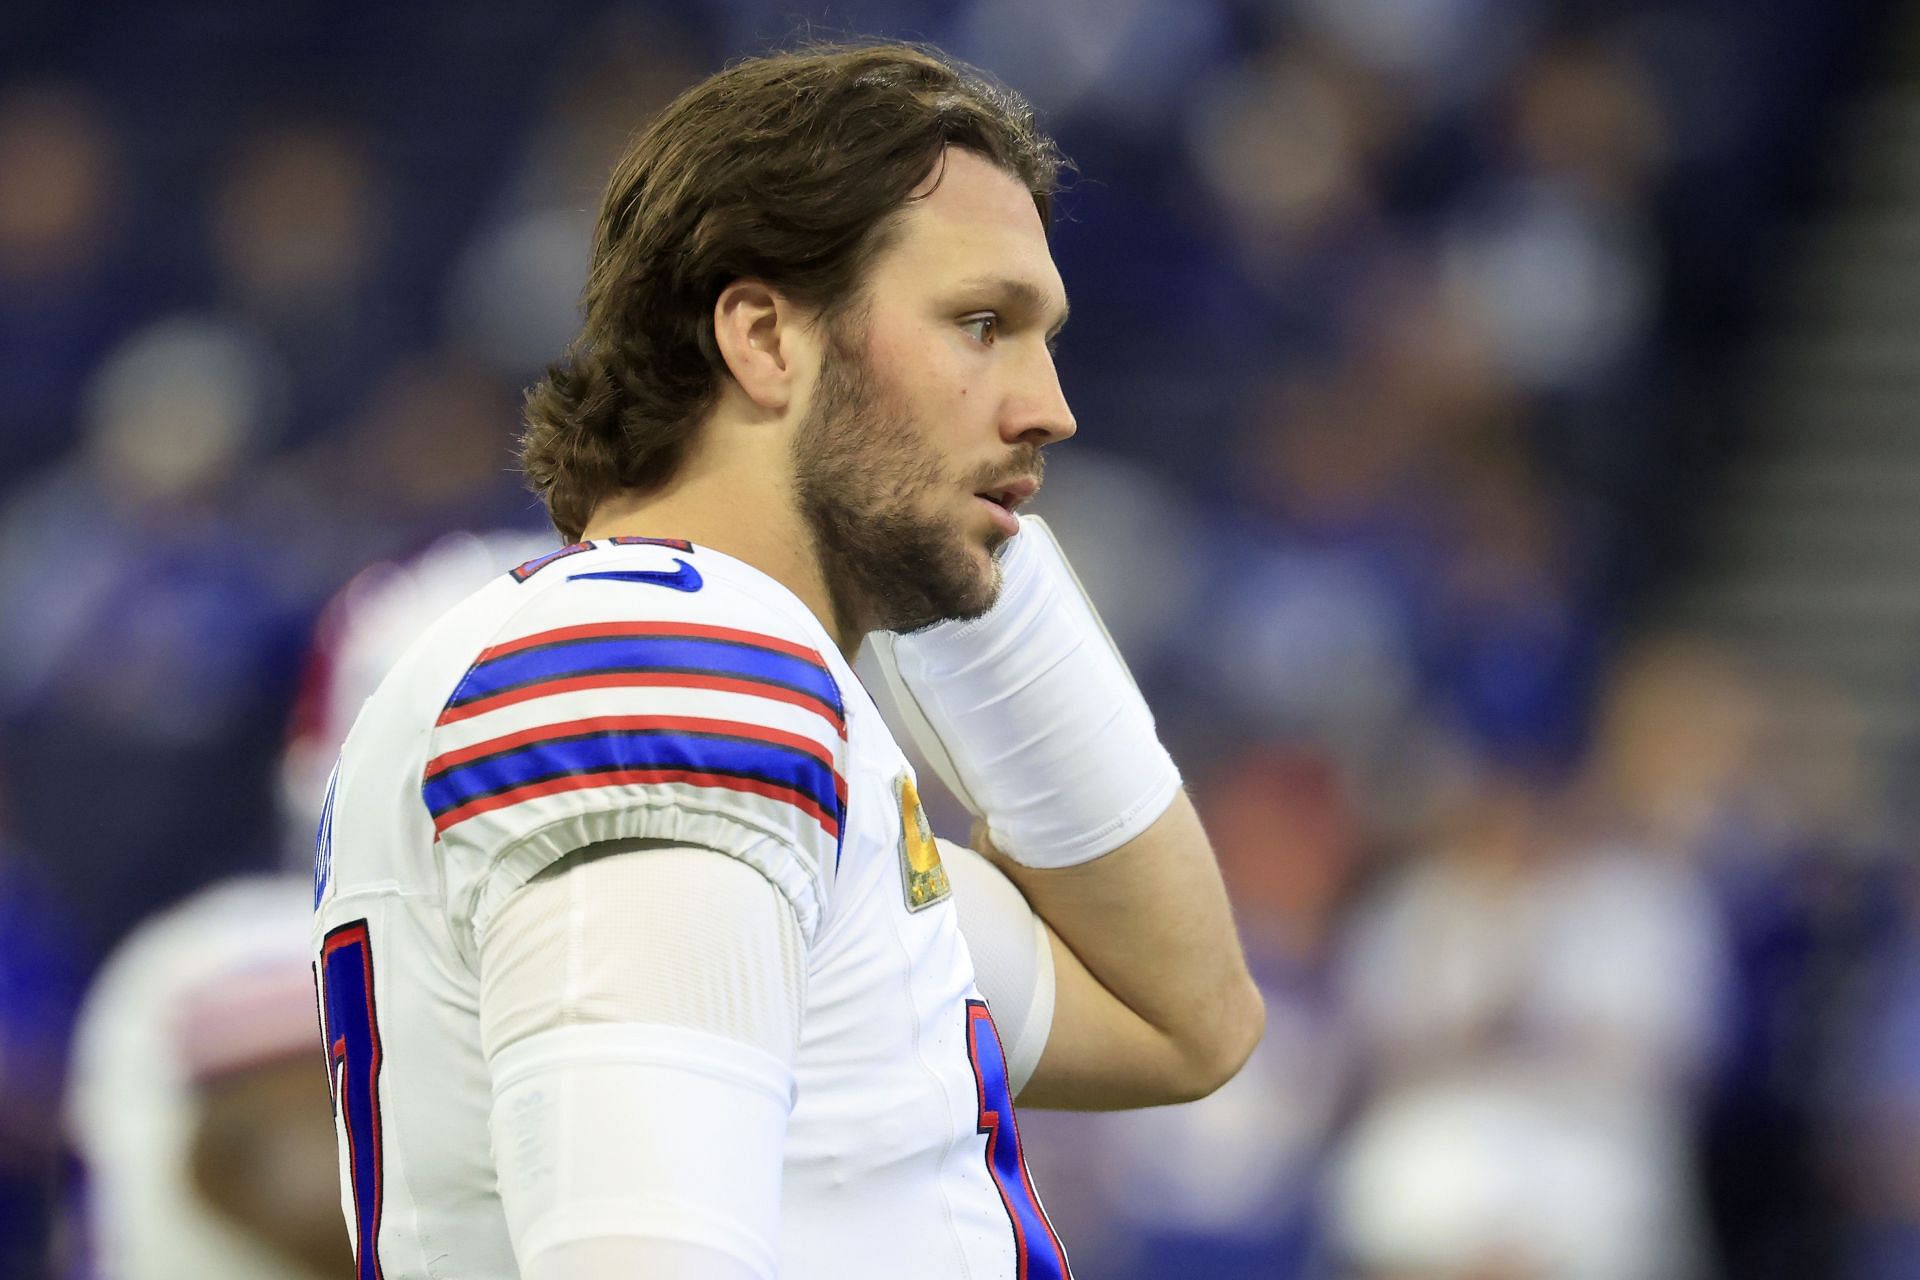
{"x": 1031, "y": 714}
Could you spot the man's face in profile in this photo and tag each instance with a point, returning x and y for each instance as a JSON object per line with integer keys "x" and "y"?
{"x": 933, "y": 401}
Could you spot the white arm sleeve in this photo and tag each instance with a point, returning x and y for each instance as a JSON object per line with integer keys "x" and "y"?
{"x": 639, "y": 1009}
{"x": 1012, "y": 957}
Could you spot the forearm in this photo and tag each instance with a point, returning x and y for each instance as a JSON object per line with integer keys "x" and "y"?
{"x": 1030, "y": 714}
{"x": 1156, "y": 1004}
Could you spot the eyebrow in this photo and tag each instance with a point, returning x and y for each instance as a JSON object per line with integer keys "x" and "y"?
{"x": 1025, "y": 294}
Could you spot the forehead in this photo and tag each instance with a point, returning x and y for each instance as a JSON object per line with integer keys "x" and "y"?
{"x": 969, "y": 219}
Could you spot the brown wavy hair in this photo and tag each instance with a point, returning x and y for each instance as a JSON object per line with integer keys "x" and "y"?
{"x": 788, "y": 169}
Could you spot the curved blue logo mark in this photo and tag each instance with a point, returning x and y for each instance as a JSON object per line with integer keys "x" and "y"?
{"x": 685, "y": 578}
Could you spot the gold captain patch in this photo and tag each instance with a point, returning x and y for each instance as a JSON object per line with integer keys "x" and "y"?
{"x": 925, "y": 879}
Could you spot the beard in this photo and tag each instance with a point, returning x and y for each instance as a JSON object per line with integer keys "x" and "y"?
{"x": 865, "y": 478}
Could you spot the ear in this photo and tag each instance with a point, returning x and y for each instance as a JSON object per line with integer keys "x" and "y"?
{"x": 764, "y": 339}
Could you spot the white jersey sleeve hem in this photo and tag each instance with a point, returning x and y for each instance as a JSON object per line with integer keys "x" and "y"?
{"x": 639, "y": 932}
{"x": 670, "y": 822}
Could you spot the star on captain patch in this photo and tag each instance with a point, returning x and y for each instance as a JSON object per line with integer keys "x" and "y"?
{"x": 925, "y": 879}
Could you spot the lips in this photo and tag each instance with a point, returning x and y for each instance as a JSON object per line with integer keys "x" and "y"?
{"x": 1000, "y": 514}
{"x": 1010, "y": 495}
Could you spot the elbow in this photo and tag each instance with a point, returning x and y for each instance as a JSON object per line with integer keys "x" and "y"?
{"x": 1215, "y": 1058}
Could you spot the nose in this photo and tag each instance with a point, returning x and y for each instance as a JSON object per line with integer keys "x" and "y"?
{"x": 1036, "y": 411}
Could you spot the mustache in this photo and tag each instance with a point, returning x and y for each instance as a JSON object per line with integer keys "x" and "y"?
{"x": 1027, "y": 463}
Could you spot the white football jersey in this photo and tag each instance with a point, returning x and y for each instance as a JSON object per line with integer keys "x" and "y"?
{"x": 645, "y": 688}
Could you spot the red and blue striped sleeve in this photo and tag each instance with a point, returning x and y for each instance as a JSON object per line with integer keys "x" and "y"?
{"x": 727, "y": 737}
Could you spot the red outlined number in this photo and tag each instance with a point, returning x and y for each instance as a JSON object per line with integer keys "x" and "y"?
{"x": 352, "y": 1030}
{"x": 1035, "y": 1245}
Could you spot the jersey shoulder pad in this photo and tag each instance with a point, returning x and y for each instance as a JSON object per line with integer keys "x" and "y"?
{"x": 642, "y": 691}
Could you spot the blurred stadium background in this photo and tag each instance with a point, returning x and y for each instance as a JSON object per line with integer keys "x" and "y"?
{"x": 1497, "y": 459}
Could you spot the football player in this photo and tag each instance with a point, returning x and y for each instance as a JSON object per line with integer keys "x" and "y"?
{"x": 195, "y": 1107}
{"x": 637, "y": 956}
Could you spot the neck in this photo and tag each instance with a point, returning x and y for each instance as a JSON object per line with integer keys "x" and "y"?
{"x": 748, "y": 512}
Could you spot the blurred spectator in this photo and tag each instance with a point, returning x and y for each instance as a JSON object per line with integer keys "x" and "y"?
{"x": 150, "y": 630}
{"x": 63, "y": 293}
{"x": 1289, "y": 145}
{"x": 1680, "y": 755}
{"x": 1536, "y": 1003}
{"x": 515, "y": 289}
{"x": 57, "y": 154}
{"x": 431, "y": 450}
{"x": 1127, "y": 62}
{"x": 299, "y": 227}
{"x": 1510, "y": 648}
{"x": 1559, "y": 256}
{"x": 1695, "y": 759}
{"x": 1443, "y": 50}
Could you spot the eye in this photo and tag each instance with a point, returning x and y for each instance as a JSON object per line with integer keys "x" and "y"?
{"x": 984, "y": 327}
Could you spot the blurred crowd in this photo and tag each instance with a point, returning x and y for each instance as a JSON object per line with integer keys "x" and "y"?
{"x": 1400, "y": 351}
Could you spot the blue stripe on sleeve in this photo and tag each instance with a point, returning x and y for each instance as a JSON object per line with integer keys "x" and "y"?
{"x": 540, "y": 761}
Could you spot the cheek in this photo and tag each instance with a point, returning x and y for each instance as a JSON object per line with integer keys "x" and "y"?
{"x": 930, "y": 371}
{"x": 933, "y": 386}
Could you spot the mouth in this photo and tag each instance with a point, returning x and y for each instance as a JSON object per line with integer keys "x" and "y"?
{"x": 1010, "y": 495}
{"x": 1000, "y": 501}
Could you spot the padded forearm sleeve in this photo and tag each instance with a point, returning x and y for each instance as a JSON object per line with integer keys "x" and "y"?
{"x": 1030, "y": 715}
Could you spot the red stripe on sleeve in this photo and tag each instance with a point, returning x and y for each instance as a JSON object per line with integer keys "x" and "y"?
{"x": 652, "y": 630}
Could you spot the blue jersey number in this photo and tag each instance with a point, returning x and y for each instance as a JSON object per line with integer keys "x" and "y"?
{"x": 1037, "y": 1248}
{"x": 353, "y": 1064}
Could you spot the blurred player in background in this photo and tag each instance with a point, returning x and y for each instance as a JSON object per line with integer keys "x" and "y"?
{"x": 198, "y": 1115}
{"x": 197, "y": 1107}
{"x": 637, "y": 956}
{"x": 361, "y": 633}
